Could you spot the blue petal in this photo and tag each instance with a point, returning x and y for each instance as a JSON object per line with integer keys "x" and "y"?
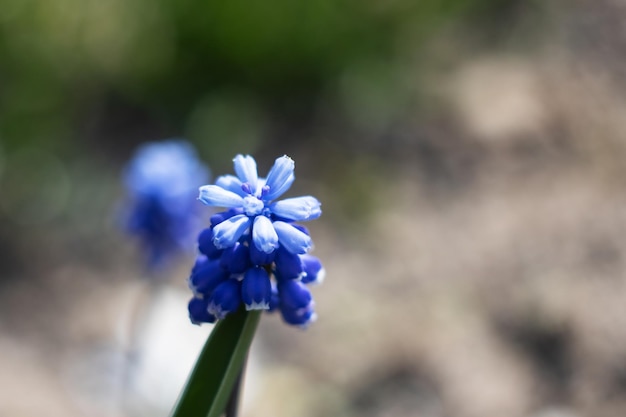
{"x": 299, "y": 227}
{"x": 280, "y": 177}
{"x": 214, "y": 195}
{"x": 236, "y": 259}
{"x": 314, "y": 272}
{"x": 231, "y": 183}
{"x": 198, "y": 312}
{"x": 301, "y": 318}
{"x": 217, "y": 218}
{"x": 256, "y": 289}
{"x": 206, "y": 277}
{"x": 245, "y": 167}
{"x": 294, "y": 295}
{"x": 258, "y": 257}
{"x": 288, "y": 265}
{"x": 274, "y": 300}
{"x": 230, "y": 230}
{"x": 294, "y": 240}
{"x": 263, "y": 235}
{"x": 206, "y": 246}
{"x": 298, "y": 209}
{"x": 225, "y": 299}
{"x": 200, "y": 261}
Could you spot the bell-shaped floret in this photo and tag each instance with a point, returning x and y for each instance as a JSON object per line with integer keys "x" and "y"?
{"x": 198, "y": 312}
{"x": 314, "y": 272}
{"x": 264, "y": 236}
{"x": 280, "y": 178}
{"x": 292, "y": 239}
{"x": 256, "y": 289}
{"x": 297, "y": 209}
{"x": 258, "y": 257}
{"x": 301, "y": 318}
{"x": 288, "y": 265}
{"x": 200, "y": 261}
{"x": 214, "y": 195}
{"x": 206, "y": 245}
{"x": 245, "y": 168}
{"x": 236, "y": 259}
{"x": 206, "y": 277}
{"x": 225, "y": 299}
{"x": 294, "y": 294}
{"x": 229, "y": 231}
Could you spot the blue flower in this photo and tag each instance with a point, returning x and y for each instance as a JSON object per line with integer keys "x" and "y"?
{"x": 268, "y": 221}
{"x": 253, "y": 253}
{"x": 161, "y": 180}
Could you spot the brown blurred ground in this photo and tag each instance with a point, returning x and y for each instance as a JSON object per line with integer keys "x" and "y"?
{"x": 486, "y": 279}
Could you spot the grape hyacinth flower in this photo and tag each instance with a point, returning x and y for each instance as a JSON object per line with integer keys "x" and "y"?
{"x": 254, "y": 253}
{"x": 161, "y": 180}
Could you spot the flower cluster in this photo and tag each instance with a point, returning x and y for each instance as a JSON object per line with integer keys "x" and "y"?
{"x": 253, "y": 253}
{"x": 162, "y": 180}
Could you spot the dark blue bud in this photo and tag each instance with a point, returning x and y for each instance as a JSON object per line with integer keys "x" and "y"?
{"x": 288, "y": 265}
{"x": 200, "y": 261}
{"x": 236, "y": 259}
{"x": 258, "y": 257}
{"x": 294, "y": 295}
{"x": 217, "y": 218}
{"x": 207, "y": 277}
{"x": 301, "y": 228}
{"x": 275, "y": 299}
{"x": 301, "y": 318}
{"x": 256, "y": 289}
{"x": 314, "y": 272}
{"x": 198, "y": 312}
{"x": 225, "y": 299}
{"x": 206, "y": 246}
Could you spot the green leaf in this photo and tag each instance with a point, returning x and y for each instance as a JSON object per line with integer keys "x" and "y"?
{"x": 212, "y": 379}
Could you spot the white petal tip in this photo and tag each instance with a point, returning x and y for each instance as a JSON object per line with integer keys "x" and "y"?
{"x": 257, "y": 306}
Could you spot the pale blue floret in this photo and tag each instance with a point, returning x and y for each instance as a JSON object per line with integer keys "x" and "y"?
{"x": 264, "y": 235}
{"x": 280, "y": 177}
{"x": 228, "y": 232}
{"x": 297, "y": 209}
{"x": 254, "y": 196}
{"x": 245, "y": 167}
{"x": 214, "y": 195}
{"x": 231, "y": 183}
{"x": 294, "y": 240}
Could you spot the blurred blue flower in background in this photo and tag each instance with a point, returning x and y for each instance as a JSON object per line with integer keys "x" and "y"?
{"x": 254, "y": 253}
{"x": 162, "y": 180}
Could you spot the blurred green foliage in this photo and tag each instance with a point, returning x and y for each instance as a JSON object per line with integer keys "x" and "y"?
{"x": 60, "y": 60}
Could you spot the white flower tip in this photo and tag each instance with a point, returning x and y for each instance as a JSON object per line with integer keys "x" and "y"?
{"x": 219, "y": 244}
{"x": 321, "y": 275}
{"x": 194, "y": 322}
{"x": 310, "y": 321}
{"x": 258, "y": 306}
{"x": 269, "y": 247}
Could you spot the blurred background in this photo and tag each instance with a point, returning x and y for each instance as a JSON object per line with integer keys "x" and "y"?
{"x": 469, "y": 155}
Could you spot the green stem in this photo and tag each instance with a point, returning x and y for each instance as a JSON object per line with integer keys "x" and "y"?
{"x": 212, "y": 380}
{"x": 232, "y": 407}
